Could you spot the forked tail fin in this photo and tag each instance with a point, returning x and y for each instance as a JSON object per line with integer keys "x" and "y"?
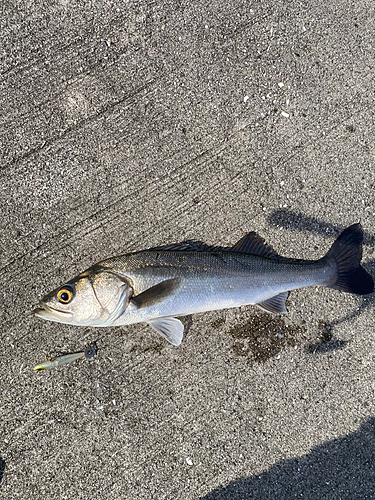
{"x": 347, "y": 254}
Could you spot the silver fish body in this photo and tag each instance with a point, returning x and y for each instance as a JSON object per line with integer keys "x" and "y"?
{"x": 210, "y": 281}
{"x": 154, "y": 286}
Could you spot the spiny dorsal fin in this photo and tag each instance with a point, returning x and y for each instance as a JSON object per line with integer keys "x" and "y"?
{"x": 276, "y": 304}
{"x": 156, "y": 293}
{"x": 253, "y": 244}
{"x": 190, "y": 246}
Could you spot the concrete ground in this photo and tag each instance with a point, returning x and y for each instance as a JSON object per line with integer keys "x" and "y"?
{"x": 126, "y": 125}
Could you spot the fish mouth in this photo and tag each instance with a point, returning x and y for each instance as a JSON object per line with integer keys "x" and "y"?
{"x": 47, "y": 312}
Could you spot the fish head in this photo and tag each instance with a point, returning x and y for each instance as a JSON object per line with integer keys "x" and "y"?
{"x": 97, "y": 297}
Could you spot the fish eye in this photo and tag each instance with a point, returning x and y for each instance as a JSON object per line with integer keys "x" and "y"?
{"x": 65, "y": 294}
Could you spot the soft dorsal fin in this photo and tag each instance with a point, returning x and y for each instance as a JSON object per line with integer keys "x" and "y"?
{"x": 156, "y": 293}
{"x": 254, "y": 244}
{"x": 276, "y": 304}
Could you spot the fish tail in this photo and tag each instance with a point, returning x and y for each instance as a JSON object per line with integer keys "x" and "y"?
{"x": 346, "y": 253}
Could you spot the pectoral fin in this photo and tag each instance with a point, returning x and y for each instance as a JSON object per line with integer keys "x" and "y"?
{"x": 170, "y": 328}
{"x": 156, "y": 293}
{"x": 275, "y": 304}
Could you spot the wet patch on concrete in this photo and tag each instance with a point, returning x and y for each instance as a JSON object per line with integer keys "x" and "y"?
{"x": 219, "y": 322}
{"x": 155, "y": 348}
{"x": 187, "y": 321}
{"x": 326, "y": 331}
{"x": 2, "y": 469}
{"x": 263, "y": 336}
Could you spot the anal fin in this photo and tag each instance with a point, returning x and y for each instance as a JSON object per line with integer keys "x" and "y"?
{"x": 276, "y": 304}
{"x": 170, "y": 328}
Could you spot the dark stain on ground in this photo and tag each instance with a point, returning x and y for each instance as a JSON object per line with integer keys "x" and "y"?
{"x": 263, "y": 336}
{"x": 218, "y": 323}
{"x": 187, "y": 321}
{"x": 326, "y": 342}
{"x": 155, "y": 348}
{"x": 326, "y": 330}
{"x": 2, "y": 469}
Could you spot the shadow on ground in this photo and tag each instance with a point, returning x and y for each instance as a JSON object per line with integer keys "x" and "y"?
{"x": 2, "y": 469}
{"x": 300, "y": 222}
{"x": 340, "y": 469}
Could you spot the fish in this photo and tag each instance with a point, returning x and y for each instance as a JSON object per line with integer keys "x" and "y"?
{"x": 158, "y": 285}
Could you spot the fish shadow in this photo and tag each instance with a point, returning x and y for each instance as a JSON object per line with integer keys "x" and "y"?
{"x": 343, "y": 468}
{"x": 297, "y": 221}
{"x": 2, "y": 469}
{"x": 324, "y": 347}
